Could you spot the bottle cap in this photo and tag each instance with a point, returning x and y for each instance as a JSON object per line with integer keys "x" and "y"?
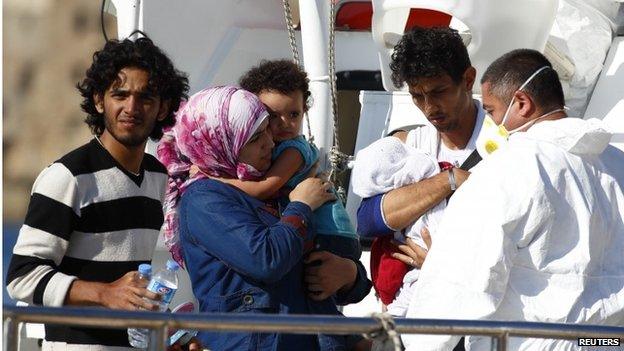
{"x": 172, "y": 265}
{"x": 145, "y": 268}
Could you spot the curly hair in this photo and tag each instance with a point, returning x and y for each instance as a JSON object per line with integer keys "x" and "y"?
{"x": 167, "y": 82}
{"x": 429, "y": 52}
{"x": 280, "y": 75}
{"x": 507, "y": 73}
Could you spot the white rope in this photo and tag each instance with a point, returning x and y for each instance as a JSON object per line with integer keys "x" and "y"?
{"x": 291, "y": 32}
{"x": 292, "y": 39}
{"x": 386, "y": 333}
{"x": 338, "y": 160}
{"x": 332, "y": 71}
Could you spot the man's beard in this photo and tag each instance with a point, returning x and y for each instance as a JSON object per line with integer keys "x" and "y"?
{"x": 128, "y": 140}
{"x": 452, "y": 126}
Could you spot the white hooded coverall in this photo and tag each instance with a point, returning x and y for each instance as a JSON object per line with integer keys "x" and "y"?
{"x": 535, "y": 234}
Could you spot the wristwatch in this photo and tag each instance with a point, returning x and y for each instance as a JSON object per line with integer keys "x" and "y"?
{"x": 451, "y": 179}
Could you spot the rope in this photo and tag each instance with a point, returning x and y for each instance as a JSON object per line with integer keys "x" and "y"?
{"x": 332, "y": 70}
{"x": 338, "y": 160}
{"x": 292, "y": 39}
{"x": 387, "y": 333}
{"x": 291, "y": 32}
{"x": 339, "y": 163}
{"x": 335, "y": 156}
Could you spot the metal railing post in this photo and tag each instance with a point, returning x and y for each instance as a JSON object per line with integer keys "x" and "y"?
{"x": 500, "y": 341}
{"x": 158, "y": 338}
{"x": 11, "y": 330}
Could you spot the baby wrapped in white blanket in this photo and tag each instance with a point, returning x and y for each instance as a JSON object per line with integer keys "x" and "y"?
{"x": 389, "y": 164}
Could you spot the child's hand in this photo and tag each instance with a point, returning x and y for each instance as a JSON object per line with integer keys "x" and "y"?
{"x": 193, "y": 171}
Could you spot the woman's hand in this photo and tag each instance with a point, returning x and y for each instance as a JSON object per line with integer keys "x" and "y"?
{"x": 193, "y": 345}
{"x": 412, "y": 254}
{"x": 313, "y": 192}
{"x": 326, "y": 274}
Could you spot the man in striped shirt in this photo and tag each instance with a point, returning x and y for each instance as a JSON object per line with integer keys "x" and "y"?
{"x": 95, "y": 214}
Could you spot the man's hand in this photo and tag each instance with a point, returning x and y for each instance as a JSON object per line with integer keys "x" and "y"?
{"x": 327, "y": 273}
{"x": 126, "y": 293}
{"x": 412, "y": 254}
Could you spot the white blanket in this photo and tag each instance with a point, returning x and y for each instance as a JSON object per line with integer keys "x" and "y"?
{"x": 391, "y": 164}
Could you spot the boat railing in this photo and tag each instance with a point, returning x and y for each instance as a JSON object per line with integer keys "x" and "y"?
{"x": 160, "y": 323}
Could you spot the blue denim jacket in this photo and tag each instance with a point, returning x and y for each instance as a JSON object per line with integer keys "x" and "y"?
{"x": 243, "y": 258}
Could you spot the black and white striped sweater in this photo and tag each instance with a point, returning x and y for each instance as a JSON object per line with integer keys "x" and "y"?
{"x": 88, "y": 219}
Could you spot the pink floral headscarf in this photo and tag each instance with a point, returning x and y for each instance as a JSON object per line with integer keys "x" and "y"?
{"x": 210, "y": 130}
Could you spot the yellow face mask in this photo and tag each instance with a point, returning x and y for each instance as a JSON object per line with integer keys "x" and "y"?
{"x": 491, "y": 138}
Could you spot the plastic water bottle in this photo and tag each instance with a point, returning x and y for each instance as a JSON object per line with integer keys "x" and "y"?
{"x": 135, "y": 336}
{"x": 165, "y": 284}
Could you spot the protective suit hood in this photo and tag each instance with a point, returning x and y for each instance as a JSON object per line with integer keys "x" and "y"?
{"x": 577, "y": 136}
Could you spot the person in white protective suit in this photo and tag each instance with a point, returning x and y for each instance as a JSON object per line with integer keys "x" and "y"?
{"x": 536, "y": 233}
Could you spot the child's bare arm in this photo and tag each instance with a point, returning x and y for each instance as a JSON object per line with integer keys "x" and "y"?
{"x": 282, "y": 169}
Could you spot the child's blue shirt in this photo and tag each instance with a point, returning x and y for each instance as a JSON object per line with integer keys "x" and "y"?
{"x": 308, "y": 151}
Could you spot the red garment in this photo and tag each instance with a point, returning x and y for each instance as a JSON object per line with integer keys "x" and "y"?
{"x": 386, "y": 271}
{"x": 445, "y": 166}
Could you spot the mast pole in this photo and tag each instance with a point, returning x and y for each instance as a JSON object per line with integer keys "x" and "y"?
{"x": 314, "y": 16}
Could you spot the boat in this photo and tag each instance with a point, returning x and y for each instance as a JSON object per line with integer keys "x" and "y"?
{"x": 345, "y": 46}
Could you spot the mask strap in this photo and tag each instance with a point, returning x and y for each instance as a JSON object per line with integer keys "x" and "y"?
{"x": 533, "y": 121}
{"x": 507, "y": 112}
{"x": 526, "y": 82}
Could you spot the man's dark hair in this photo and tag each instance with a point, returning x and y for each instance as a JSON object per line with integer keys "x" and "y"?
{"x": 429, "y": 52}
{"x": 164, "y": 80}
{"x": 507, "y": 73}
{"x": 282, "y": 76}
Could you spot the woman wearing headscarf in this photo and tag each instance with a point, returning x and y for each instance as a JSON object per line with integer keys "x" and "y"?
{"x": 241, "y": 253}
